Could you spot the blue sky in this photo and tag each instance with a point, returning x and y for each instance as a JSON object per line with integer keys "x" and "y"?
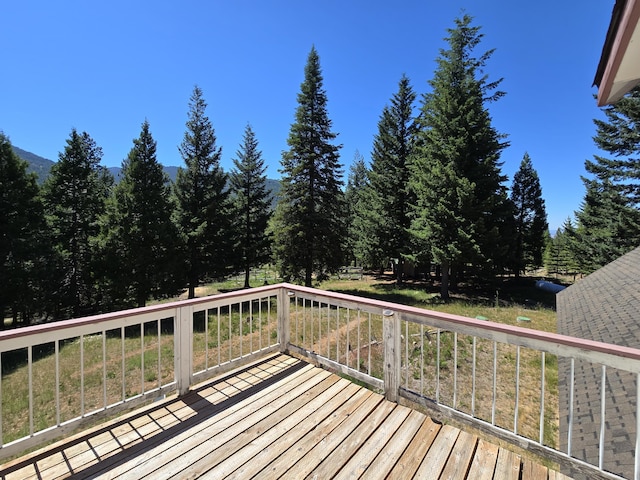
{"x": 105, "y": 67}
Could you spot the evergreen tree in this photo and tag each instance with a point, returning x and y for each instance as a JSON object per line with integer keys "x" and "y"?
{"x": 202, "y": 210}
{"x": 389, "y": 176}
{"x": 75, "y": 195}
{"x": 356, "y": 243}
{"x": 608, "y": 222}
{"x": 251, "y": 205}
{"x": 139, "y": 240}
{"x": 530, "y": 218}
{"x": 22, "y": 249}
{"x": 462, "y": 213}
{"x": 309, "y": 224}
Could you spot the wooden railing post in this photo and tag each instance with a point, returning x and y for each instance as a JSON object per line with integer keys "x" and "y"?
{"x": 284, "y": 312}
{"x": 392, "y": 356}
{"x": 183, "y": 347}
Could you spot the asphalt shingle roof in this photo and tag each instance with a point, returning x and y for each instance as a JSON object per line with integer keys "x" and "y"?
{"x": 604, "y": 306}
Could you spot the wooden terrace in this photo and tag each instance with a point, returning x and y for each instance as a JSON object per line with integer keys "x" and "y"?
{"x": 278, "y": 418}
{"x": 246, "y": 385}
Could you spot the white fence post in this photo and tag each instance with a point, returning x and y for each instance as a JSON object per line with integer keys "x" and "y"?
{"x": 183, "y": 341}
{"x": 392, "y": 354}
{"x": 284, "y": 311}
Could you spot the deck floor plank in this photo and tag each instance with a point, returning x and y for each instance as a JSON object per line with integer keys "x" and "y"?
{"x": 382, "y": 465}
{"x": 314, "y": 435}
{"x": 410, "y": 460}
{"x": 275, "y": 418}
{"x": 278, "y": 437}
{"x": 507, "y": 465}
{"x": 189, "y": 445}
{"x": 484, "y": 461}
{"x": 436, "y": 458}
{"x": 373, "y": 446}
{"x": 330, "y": 464}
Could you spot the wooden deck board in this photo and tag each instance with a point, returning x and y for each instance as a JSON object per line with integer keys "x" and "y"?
{"x": 279, "y": 418}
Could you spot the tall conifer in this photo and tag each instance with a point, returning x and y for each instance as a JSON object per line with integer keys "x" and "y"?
{"x": 202, "y": 210}
{"x": 391, "y": 196}
{"x": 251, "y": 202}
{"x": 309, "y": 225}
{"x": 462, "y": 210}
{"x": 75, "y": 195}
{"x": 139, "y": 240}
{"x": 530, "y": 217}
{"x": 23, "y": 247}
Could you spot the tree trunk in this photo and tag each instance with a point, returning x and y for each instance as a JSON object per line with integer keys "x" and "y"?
{"x": 399, "y": 271}
{"x": 247, "y": 272}
{"x": 444, "y": 288}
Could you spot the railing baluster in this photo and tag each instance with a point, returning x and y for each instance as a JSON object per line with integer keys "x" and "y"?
{"x": 104, "y": 368}
{"x": 206, "y": 339}
{"x": 406, "y": 355}
{"x": 369, "y": 348}
{"x": 348, "y": 346}
{"x": 328, "y": 330}
{"x": 1, "y": 405}
{"x": 338, "y": 334}
{"x": 142, "y": 357}
{"x": 636, "y": 465}
{"x": 421, "y": 359}
{"x": 159, "y": 355}
{"x": 495, "y": 382}
{"x": 455, "y": 369}
{"x": 304, "y": 322}
{"x": 82, "y": 375}
{"x": 124, "y": 377}
{"x": 219, "y": 336}
{"x": 298, "y": 321}
{"x": 515, "y": 415}
{"x": 473, "y": 380}
{"x": 57, "y": 354}
{"x": 230, "y": 335}
{"x": 30, "y": 368}
{"x": 603, "y": 395}
{"x": 571, "y": 396}
{"x": 250, "y": 326}
{"x": 438, "y": 366}
{"x": 542, "y": 385}
{"x": 358, "y": 348}
{"x": 240, "y": 327}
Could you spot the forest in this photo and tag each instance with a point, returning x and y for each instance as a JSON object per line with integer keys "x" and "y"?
{"x": 432, "y": 197}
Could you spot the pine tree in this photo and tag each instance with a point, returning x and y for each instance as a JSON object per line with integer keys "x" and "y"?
{"x": 608, "y": 222}
{"x": 309, "y": 224}
{"x": 462, "y": 211}
{"x": 75, "y": 194}
{"x": 202, "y": 212}
{"x": 530, "y": 217}
{"x": 355, "y": 244}
{"x": 389, "y": 176}
{"x": 139, "y": 240}
{"x": 22, "y": 249}
{"x": 251, "y": 205}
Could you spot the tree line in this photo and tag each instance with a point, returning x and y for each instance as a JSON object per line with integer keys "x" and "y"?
{"x": 433, "y": 195}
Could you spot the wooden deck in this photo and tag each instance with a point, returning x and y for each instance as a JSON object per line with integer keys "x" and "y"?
{"x": 280, "y": 418}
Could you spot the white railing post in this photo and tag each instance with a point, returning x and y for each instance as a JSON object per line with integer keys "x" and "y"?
{"x": 183, "y": 340}
{"x": 284, "y": 318}
{"x": 392, "y": 354}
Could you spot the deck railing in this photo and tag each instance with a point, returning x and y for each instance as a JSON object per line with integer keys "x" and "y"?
{"x": 496, "y": 378}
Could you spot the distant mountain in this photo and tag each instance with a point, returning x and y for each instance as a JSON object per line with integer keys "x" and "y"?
{"x": 42, "y": 166}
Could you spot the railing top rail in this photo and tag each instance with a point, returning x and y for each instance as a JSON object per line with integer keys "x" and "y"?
{"x": 498, "y": 328}
{"x": 152, "y": 309}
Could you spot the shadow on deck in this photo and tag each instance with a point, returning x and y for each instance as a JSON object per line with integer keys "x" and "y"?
{"x": 279, "y": 418}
